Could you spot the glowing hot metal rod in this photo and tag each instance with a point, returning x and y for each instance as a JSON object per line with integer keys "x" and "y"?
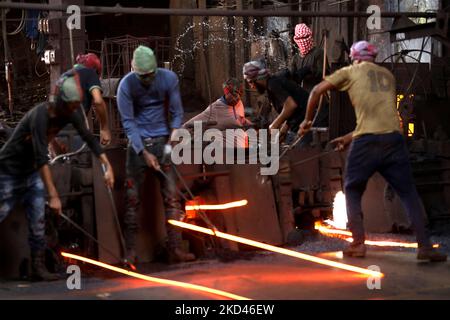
{"x": 153, "y": 279}
{"x": 287, "y": 252}
{"x": 224, "y": 206}
{"x": 347, "y": 236}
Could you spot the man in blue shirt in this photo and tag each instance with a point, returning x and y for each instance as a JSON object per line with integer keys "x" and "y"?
{"x": 150, "y": 106}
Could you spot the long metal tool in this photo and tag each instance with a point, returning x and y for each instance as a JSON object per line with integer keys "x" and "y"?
{"x": 118, "y": 227}
{"x": 87, "y": 234}
{"x": 200, "y": 213}
{"x": 319, "y": 155}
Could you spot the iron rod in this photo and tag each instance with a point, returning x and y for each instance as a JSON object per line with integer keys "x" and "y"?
{"x": 209, "y": 12}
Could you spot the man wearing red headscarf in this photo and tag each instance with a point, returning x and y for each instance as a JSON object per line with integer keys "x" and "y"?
{"x": 227, "y": 112}
{"x": 307, "y": 70}
{"x": 89, "y": 70}
{"x": 307, "y": 65}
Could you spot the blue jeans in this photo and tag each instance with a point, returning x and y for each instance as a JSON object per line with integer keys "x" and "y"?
{"x": 30, "y": 191}
{"x": 388, "y": 155}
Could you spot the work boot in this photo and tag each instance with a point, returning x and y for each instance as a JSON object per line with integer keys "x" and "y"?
{"x": 38, "y": 270}
{"x": 174, "y": 245}
{"x": 355, "y": 250}
{"x": 177, "y": 255}
{"x": 431, "y": 254}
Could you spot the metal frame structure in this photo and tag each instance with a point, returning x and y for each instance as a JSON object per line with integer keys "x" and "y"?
{"x": 117, "y": 52}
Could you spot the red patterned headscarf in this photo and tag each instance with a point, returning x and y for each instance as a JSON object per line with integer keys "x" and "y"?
{"x": 233, "y": 86}
{"x": 90, "y": 60}
{"x": 303, "y": 38}
{"x": 364, "y": 51}
{"x": 255, "y": 70}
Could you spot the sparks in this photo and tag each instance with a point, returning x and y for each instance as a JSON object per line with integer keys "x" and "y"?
{"x": 156, "y": 280}
{"x": 287, "y": 252}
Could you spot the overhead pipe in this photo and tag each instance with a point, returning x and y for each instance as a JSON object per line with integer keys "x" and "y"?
{"x": 209, "y": 12}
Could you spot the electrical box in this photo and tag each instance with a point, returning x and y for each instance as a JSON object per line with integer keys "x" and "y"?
{"x": 49, "y": 57}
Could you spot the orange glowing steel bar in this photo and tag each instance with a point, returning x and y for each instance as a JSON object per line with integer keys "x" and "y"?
{"x": 224, "y": 206}
{"x": 347, "y": 235}
{"x": 332, "y": 231}
{"x": 153, "y": 279}
{"x": 391, "y": 244}
{"x": 387, "y": 243}
{"x": 291, "y": 253}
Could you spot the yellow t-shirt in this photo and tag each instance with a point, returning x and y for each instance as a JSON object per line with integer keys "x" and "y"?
{"x": 372, "y": 91}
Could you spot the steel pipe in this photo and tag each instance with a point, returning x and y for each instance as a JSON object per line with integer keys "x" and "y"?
{"x": 210, "y": 12}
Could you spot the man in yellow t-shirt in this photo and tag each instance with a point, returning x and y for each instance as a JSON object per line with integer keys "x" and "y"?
{"x": 376, "y": 144}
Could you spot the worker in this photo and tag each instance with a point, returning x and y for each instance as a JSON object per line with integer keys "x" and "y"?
{"x": 24, "y": 169}
{"x": 146, "y": 97}
{"x": 285, "y": 96}
{"x": 89, "y": 69}
{"x": 306, "y": 68}
{"x": 227, "y": 112}
{"x": 376, "y": 144}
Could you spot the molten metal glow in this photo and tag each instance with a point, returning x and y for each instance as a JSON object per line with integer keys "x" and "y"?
{"x": 224, "y": 206}
{"x": 287, "y": 252}
{"x": 347, "y": 236}
{"x": 339, "y": 211}
{"x": 153, "y": 279}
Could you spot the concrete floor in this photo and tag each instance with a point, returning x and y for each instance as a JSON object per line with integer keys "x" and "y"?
{"x": 266, "y": 276}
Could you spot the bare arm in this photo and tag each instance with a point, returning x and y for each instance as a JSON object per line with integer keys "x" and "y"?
{"x": 54, "y": 201}
{"x": 288, "y": 110}
{"x": 342, "y": 142}
{"x": 102, "y": 113}
{"x": 109, "y": 174}
{"x": 313, "y": 101}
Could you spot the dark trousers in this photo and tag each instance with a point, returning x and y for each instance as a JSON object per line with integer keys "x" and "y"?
{"x": 388, "y": 155}
{"x": 136, "y": 169}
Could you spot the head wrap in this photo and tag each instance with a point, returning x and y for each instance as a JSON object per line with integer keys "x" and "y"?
{"x": 90, "y": 60}
{"x": 255, "y": 70}
{"x": 232, "y": 86}
{"x": 364, "y": 51}
{"x": 144, "y": 60}
{"x": 69, "y": 89}
{"x": 303, "y": 38}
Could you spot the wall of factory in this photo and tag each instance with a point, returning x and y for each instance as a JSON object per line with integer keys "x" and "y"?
{"x": 30, "y": 77}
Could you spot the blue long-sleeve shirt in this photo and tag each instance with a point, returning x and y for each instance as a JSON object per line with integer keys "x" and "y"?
{"x": 142, "y": 108}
